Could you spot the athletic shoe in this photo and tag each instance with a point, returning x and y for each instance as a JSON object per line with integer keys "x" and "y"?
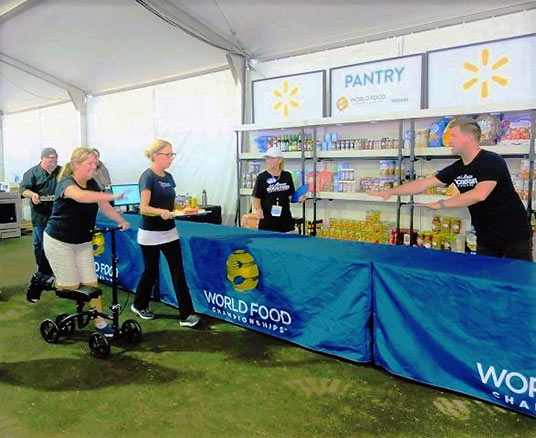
{"x": 107, "y": 331}
{"x": 143, "y": 314}
{"x": 33, "y": 293}
{"x": 190, "y": 321}
{"x": 38, "y": 283}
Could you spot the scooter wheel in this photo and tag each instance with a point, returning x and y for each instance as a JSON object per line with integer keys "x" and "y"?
{"x": 49, "y": 331}
{"x": 66, "y": 328}
{"x": 131, "y": 331}
{"x": 99, "y": 346}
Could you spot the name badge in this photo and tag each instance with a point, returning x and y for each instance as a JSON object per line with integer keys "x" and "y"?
{"x": 276, "y": 210}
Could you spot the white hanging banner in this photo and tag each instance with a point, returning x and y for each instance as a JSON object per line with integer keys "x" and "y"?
{"x": 289, "y": 98}
{"x": 499, "y": 72}
{"x": 385, "y": 86}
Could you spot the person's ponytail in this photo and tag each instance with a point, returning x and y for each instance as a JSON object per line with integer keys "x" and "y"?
{"x": 79, "y": 155}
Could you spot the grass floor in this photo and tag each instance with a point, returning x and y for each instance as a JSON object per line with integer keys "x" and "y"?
{"x": 218, "y": 381}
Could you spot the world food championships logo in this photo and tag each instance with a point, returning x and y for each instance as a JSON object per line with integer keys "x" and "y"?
{"x": 243, "y": 274}
{"x": 242, "y": 271}
{"x": 98, "y": 244}
{"x": 511, "y": 388}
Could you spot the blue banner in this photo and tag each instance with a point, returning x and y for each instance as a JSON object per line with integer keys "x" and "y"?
{"x": 465, "y": 323}
{"x": 459, "y": 322}
{"x": 130, "y": 264}
{"x": 275, "y": 284}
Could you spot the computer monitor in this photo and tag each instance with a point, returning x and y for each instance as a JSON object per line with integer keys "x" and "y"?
{"x": 131, "y": 194}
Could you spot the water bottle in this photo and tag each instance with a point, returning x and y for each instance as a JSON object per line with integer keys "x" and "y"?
{"x": 204, "y": 198}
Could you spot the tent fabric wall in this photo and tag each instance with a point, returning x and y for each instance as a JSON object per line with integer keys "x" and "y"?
{"x": 27, "y": 133}
{"x": 120, "y": 126}
{"x": 197, "y": 115}
{"x": 194, "y": 114}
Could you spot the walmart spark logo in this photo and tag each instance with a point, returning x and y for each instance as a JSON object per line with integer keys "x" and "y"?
{"x": 486, "y": 73}
{"x": 286, "y": 98}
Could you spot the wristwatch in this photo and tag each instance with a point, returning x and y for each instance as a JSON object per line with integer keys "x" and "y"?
{"x": 441, "y": 203}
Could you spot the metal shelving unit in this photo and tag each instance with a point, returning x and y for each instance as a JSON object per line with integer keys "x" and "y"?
{"x": 522, "y": 149}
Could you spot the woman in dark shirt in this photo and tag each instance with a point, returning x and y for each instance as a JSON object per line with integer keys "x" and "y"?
{"x": 272, "y": 193}
{"x": 158, "y": 233}
{"x": 69, "y": 230}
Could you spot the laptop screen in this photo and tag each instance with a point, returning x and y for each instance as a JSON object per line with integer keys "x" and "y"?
{"x": 131, "y": 194}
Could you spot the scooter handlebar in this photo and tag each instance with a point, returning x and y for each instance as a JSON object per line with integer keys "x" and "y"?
{"x": 106, "y": 229}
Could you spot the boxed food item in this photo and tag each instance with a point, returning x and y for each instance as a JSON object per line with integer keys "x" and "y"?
{"x": 515, "y": 130}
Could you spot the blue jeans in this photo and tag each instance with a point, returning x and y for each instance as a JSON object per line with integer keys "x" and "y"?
{"x": 40, "y": 258}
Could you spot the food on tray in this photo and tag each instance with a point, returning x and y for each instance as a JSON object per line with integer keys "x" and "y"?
{"x": 180, "y": 210}
{"x": 191, "y": 209}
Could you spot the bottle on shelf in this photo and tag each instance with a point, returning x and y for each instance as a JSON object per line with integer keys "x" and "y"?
{"x": 204, "y": 202}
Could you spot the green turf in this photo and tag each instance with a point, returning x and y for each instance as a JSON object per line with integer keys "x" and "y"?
{"x": 218, "y": 381}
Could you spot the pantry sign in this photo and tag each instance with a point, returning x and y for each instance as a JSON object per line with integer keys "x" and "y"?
{"x": 495, "y": 72}
{"x": 388, "y": 85}
{"x": 289, "y": 98}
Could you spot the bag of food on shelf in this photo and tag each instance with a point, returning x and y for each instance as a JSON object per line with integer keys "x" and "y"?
{"x": 262, "y": 142}
{"x": 422, "y": 137}
{"x": 490, "y": 125}
{"x": 515, "y": 129}
{"x": 436, "y": 132}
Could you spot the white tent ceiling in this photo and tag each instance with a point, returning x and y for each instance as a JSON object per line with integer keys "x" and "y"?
{"x": 95, "y": 46}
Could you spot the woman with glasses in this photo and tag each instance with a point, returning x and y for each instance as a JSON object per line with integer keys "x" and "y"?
{"x": 157, "y": 233}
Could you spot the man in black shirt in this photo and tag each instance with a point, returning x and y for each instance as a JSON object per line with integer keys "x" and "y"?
{"x": 38, "y": 185}
{"x": 482, "y": 177}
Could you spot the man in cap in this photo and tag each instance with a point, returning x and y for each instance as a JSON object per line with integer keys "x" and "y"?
{"x": 38, "y": 185}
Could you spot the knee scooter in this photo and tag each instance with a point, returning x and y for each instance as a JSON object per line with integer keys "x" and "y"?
{"x": 64, "y": 324}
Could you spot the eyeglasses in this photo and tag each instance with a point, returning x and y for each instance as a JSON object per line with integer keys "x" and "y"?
{"x": 169, "y": 154}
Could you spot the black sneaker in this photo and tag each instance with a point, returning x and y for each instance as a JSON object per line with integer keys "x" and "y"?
{"x": 33, "y": 293}
{"x": 143, "y": 314}
{"x": 38, "y": 283}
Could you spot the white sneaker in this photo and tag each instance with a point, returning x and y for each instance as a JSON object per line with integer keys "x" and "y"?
{"x": 190, "y": 321}
{"x": 143, "y": 314}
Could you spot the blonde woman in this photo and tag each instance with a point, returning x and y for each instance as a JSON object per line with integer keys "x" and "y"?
{"x": 157, "y": 233}
{"x": 272, "y": 192}
{"x": 69, "y": 230}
